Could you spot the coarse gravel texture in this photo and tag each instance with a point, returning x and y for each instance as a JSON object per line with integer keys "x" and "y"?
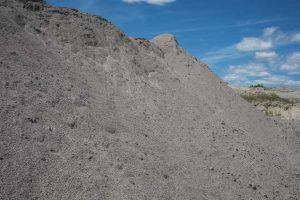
{"x": 89, "y": 113}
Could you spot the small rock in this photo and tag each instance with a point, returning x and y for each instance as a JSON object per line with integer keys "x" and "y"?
{"x": 111, "y": 130}
{"x": 33, "y": 120}
{"x": 72, "y": 124}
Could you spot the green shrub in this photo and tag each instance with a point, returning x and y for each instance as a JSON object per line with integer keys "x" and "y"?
{"x": 258, "y": 86}
{"x": 262, "y": 97}
{"x": 269, "y": 113}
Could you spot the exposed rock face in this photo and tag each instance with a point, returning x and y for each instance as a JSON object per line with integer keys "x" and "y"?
{"x": 88, "y": 113}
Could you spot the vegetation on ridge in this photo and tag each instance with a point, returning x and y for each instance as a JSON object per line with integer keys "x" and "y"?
{"x": 258, "y": 86}
{"x": 262, "y": 97}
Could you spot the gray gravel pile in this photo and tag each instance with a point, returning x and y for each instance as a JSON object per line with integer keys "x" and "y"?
{"x": 89, "y": 113}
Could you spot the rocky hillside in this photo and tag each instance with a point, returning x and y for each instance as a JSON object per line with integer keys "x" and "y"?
{"x": 89, "y": 113}
{"x": 276, "y": 102}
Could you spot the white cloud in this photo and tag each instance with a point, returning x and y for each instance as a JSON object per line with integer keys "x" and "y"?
{"x": 271, "y": 80}
{"x": 292, "y": 64}
{"x": 266, "y": 55}
{"x": 227, "y": 53}
{"x": 234, "y": 78}
{"x": 153, "y": 2}
{"x": 252, "y": 69}
{"x": 272, "y": 37}
{"x": 278, "y": 80}
{"x": 222, "y": 27}
{"x": 267, "y": 67}
{"x": 269, "y": 31}
{"x": 295, "y": 37}
{"x": 243, "y": 72}
{"x": 295, "y": 57}
{"x": 254, "y": 73}
{"x": 253, "y": 44}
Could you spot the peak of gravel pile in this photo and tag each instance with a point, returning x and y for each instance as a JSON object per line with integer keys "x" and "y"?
{"x": 167, "y": 42}
{"x": 89, "y": 113}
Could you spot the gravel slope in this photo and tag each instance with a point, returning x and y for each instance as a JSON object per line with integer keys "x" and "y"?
{"x": 88, "y": 113}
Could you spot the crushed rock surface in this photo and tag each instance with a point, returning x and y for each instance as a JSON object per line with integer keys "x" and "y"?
{"x": 89, "y": 113}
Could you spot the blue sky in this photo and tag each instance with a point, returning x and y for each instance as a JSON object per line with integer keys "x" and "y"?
{"x": 243, "y": 41}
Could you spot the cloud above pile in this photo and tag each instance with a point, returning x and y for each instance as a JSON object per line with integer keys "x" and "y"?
{"x": 253, "y": 44}
{"x": 272, "y": 37}
{"x": 153, "y": 2}
{"x": 243, "y": 72}
{"x": 269, "y": 31}
{"x": 266, "y": 55}
{"x": 277, "y": 80}
{"x": 264, "y": 64}
{"x": 292, "y": 64}
{"x": 257, "y": 73}
{"x": 296, "y": 37}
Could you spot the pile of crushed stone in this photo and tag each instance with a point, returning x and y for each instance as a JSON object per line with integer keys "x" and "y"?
{"x": 89, "y": 113}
